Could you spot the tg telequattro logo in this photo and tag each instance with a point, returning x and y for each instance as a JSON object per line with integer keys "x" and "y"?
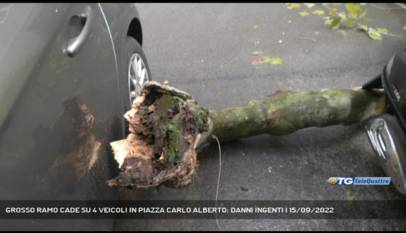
{"x": 359, "y": 180}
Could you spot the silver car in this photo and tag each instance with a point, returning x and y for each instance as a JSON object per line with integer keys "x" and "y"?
{"x": 68, "y": 74}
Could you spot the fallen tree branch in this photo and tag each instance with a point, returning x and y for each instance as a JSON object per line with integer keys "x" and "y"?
{"x": 287, "y": 111}
{"x": 167, "y": 126}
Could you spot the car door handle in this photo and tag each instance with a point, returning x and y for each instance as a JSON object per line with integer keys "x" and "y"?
{"x": 80, "y": 23}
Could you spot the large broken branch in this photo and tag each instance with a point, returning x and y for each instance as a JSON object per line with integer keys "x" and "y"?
{"x": 287, "y": 111}
{"x": 167, "y": 126}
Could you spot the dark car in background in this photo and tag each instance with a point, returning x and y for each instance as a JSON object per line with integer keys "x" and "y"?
{"x": 68, "y": 74}
{"x": 387, "y": 133}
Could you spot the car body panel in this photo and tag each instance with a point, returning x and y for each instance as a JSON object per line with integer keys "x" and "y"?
{"x": 387, "y": 139}
{"x": 58, "y": 113}
{"x": 119, "y": 17}
{"x": 23, "y": 43}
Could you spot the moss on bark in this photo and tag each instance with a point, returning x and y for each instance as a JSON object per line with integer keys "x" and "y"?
{"x": 164, "y": 125}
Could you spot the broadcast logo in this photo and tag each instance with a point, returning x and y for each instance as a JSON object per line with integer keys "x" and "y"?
{"x": 359, "y": 180}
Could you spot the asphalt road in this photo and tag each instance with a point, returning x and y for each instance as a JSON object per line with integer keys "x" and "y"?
{"x": 205, "y": 49}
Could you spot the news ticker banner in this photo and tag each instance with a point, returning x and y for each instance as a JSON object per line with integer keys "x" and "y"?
{"x": 203, "y": 209}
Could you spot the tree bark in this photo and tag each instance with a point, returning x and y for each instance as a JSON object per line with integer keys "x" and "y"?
{"x": 167, "y": 126}
{"x": 287, "y": 111}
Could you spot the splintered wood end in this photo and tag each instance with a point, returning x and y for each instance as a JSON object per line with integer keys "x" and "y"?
{"x": 164, "y": 124}
{"x": 120, "y": 149}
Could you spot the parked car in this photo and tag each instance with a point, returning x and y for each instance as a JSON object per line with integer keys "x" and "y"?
{"x": 69, "y": 71}
{"x": 387, "y": 133}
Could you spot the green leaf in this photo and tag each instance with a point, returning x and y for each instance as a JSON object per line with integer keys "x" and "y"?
{"x": 304, "y": 13}
{"x": 350, "y": 23}
{"x": 342, "y": 15}
{"x": 271, "y": 60}
{"x": 265, "y": 60}
{"x": 257, "y": 53}
{"x": 292, "y": 6}
{"x": 353, "y": 8}
{"x": 268, "y": 60}
{"x": 374, "y": 34}
{"x": 309, "y": 5}
{"x": 334, "y": 23}
{"x": 363, "y": 27}
{"x": 382, "y": 30}
{"x": 318, "y": 12}
{"x": 332, "y": 11}
{"x": 277, "y": 61}
{"x": 328, "y": 20}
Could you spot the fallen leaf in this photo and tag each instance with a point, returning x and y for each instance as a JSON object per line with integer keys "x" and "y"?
{"x": 334, "y": 23}
{"x": 363, "y": 27}
{"x": 342, "y": 15}
{"x": 318, "y": 12}
{"x": 374, "y": 34}
{"x": 304, "y": 13}
{"x": 292, "y": 6}
{"x": 382, "y": 30}
{"x": 277, "y": 61}
{"x": 332, "y": 11}
{"x": 353, "y": 8}
{"x": 271, "y": 60}
{"x": 404, "y": 27}
{"x": 257, "y": 53}
{"x": 350, "y": 23}
{"x": 309, "y": 5}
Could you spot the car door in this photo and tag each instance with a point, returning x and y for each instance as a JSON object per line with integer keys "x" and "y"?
{"x": 59, "y": 104}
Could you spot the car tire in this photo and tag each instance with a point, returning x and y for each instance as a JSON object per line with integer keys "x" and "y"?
{"x": 132, "y": 48}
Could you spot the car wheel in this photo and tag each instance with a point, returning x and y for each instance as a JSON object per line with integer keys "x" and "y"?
{"x": 137, "y": 69}
{"x": 136, "y": 73}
